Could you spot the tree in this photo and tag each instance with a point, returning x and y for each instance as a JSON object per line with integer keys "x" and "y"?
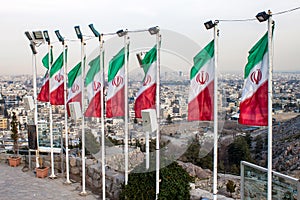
{"x": 238, "y": 151}
{"x": 230, "y": 187}
{"x": 14, "y": 124}
{"x": 249, "y": 138}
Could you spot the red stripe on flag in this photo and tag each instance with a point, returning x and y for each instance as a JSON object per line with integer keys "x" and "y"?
{"x": 57, "y": 96}
{"x": 94, "y": 108}
{"x": 145, "y": 100}
{"x": 202, "y": 107}
{"x": 44, "y": 93}
{"x": 254, "y": 111}
{"x": 115, "y": 106}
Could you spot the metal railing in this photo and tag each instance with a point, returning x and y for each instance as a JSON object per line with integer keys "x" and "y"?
{"x": 281, "y": 181}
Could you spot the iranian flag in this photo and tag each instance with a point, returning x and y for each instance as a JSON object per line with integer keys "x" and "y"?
{"x": 43, "y": 96}
{"x": 57, "y": 81}
{"x": 254, "y": 100}
{"x": 115, "y": 94}
{"x": 146, "y": 95}
{"x": 74, "y": 86}
{"x": 200, "y": 103}
{"x": 93, "y": 84}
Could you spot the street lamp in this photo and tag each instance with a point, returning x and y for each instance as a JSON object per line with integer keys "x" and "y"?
{"x": 153, "y": 30}
{"x": 78, "y": 32}
{"x": 262, "y": 16}
{"x": 96, "y": 33}
{"x": 79, "y": 35}
{"x": 209, "y": 25}
{"x": 101, "y": 62}
{"x": 62, "y": 40}
{"x": 38, "y": 36}
{"x": 28, "y": 35}
{"x": 35, "y": 39}
{"x": 121, "y": 32}
{"x": 46, "y": 36}
{"x": 59, "y": 37}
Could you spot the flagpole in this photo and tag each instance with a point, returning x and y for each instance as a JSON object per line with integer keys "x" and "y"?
{"x": 35, "y": 106}
{"x": 50, "y": 118}
{"x": 102, "y": 117}
{"x": 157, "y": 149}
{"x": 270, "y": 48}
{"x": 101, "y": 65}
{"x": 79, "y": 35}
{"x": 126, "y": 106}
{"x": 215, "y": 168}
{"x": 66, "y": 114}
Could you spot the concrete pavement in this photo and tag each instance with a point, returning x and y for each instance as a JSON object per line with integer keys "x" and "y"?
{"x": 18, "y": 185}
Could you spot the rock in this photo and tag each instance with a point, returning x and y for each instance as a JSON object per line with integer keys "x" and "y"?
{"x": 195, "y": 171}
{"x": 72, "y": 161}
{"x": 96, "y": 176}
{"x": 89, "y": 162}
{"x": 75, "y": 170}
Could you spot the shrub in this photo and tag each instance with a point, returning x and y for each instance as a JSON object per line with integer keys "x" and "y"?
{"x": 174, "y": 184}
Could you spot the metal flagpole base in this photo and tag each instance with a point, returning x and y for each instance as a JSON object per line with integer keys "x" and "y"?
{"x": 215, "y": 196}
{"x": 53, "y": 176}
{"x": 83, "y": 193}
{"x": 67, "y": 182}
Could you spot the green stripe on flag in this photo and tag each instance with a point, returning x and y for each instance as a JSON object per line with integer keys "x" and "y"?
{"x": 115, "y": 64}
{"x": 94, "y": 69}
{"x": 149, "y": 58}
{"x": 202, "y": 58}
{"x": 46, "y": 58}
{"x": 256, "y": 54}
{"x": 75, "y": 72}
{"x": 58, "y": 64}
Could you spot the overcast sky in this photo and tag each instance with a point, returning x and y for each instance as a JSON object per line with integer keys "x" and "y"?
{"x": 183, "y": 17}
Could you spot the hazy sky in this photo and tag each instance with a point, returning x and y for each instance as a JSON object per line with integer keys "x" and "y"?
{"x": 184, "y": 17}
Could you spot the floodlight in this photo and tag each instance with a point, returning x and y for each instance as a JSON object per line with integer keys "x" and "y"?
{"x": 33, "y": 49}
{"x": 78, "y": 32}
{"x": 262, "y": 16}
{"x": 209, "y": 25}
{"x": 46, "y": 36}
{"x": 28, "y": 35}
{"x": 60, "y": 38}
{"x": 96, "y": 33}
{"x": 153, "y": 30}
{"x": 121, "y": 33}
{"x": 38, "y": 35}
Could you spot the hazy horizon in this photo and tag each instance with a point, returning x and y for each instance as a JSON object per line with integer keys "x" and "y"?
{"x": 184, "y": 18}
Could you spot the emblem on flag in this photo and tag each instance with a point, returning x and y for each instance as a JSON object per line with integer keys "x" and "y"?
{"x": 75, "y": 88}
{"x": 202, "y": 77}
{"x": 147, "y": 80}
{"x": 118, "y": 80}
{"x": 256, "y": 76}
{"x": 59, "y": 77}
{"x": 96, "y": 85}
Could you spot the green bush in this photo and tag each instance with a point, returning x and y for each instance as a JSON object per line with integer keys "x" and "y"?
{"x": 174, "y": 184}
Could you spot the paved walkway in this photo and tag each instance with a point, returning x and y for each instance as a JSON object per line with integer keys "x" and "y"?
{"x": 18, "y": 185}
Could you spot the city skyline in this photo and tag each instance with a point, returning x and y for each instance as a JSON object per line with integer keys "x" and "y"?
{"x": 185, "y": 18}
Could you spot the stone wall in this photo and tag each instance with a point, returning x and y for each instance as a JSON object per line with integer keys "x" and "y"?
{"x": 114, "y": 170}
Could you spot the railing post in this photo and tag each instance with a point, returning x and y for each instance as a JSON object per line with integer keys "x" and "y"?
{"x": 298, "y": 189}
{"x": 242, "y": 180}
